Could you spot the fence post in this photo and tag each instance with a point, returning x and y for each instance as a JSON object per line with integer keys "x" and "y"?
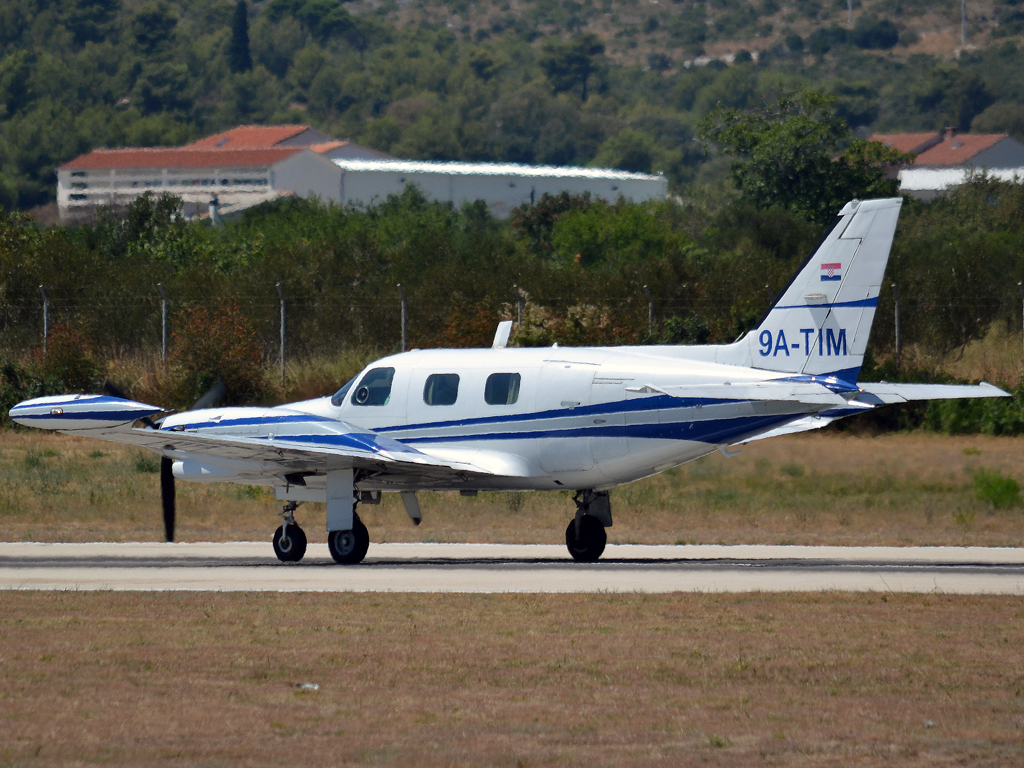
{"x": 896, "y": 301}
{"x": 163, "y": 322}
{"x": 519, "y": 306}
{"x": 1020, "y": 287}
{"x": 46, "y": 318}
{"x": 280, "y": 294}
{"x": 650, "y": 312}
{"x": 405, "y": 314}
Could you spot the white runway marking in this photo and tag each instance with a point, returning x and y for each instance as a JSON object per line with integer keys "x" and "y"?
{"x": 251, "y": 566}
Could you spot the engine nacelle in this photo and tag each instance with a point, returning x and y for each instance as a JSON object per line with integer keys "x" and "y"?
{"x": 197, "y": 471}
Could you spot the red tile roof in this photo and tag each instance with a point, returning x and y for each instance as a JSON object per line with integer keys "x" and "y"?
{"x": 249, "y": 137}
{"x": 327, "y": 146}
{"x": 913, "y": 143}
{"x": 959, "y": 149}
{"x": 173, "y": 157}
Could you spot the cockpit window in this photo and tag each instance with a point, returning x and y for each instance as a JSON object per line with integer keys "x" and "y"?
{"x": 339, "y": 396}
{"x": 441, "y": 389}
{"x": 502, "y": 388}
{"x": 374, "y": 388}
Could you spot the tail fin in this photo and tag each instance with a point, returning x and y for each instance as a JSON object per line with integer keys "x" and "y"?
{"x": 821, "y": 322}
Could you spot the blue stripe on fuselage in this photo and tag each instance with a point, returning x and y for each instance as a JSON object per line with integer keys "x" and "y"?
{"x": 653, "y": 403}
{"x": 712, "y": 431}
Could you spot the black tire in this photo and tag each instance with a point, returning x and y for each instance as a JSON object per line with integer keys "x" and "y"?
{"x": 292, "y": 549}
{"x": 349, "y": 547}
{"x": 586, "y": 548}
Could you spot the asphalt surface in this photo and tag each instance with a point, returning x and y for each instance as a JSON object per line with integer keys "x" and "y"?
{"x": 251, "y": 566}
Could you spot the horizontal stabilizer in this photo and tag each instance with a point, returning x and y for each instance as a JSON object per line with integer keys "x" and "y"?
{"x": 806, "y": 424}
{"x": 887, "y": 394}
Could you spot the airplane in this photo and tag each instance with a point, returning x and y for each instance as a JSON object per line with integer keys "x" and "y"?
{"x": 580, "y": 419}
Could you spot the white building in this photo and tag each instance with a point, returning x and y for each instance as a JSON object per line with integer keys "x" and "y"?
{"x": 945, "y": 161}
{"x": 503, "y": 186}
{"x": 232, "y": 178}
{"x": 249, "y": 165}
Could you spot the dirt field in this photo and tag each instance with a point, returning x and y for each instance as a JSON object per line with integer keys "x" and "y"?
{"x": 806, "y": 489}
{"x": 510, "y": 680}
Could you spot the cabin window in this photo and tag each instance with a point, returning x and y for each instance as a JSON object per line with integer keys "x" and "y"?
{"x": 375, "y": 387}
{"x": 339, "y": 396}
{"x": 441, "y": 389}
{"x": 502, "y": 388}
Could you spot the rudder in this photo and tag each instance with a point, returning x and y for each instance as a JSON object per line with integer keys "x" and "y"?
{"x": 821, "y": 322}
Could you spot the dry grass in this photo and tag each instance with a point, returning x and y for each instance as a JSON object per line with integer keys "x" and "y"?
{"x": 808, "y": 489}
{"x": 517, "y": 680}
{"x": 307, "y": 376}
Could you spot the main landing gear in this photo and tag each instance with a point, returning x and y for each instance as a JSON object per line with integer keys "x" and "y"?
{"x": 585, "y": 537}
{"x": 349, "y": 547}
{"x": 289, "y": 539}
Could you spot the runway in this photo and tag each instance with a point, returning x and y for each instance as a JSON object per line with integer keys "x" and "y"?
{"x": 251, "y": 566}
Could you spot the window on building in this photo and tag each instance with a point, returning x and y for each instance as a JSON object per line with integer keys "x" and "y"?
{"x": 375, "y": 387}
{"x": 502, "y": 389}
{"x": 78, "y": 174}
{"x": 441, "y": 389}
{"x": 79, "y": 197}
{"x": 79, "y": 185}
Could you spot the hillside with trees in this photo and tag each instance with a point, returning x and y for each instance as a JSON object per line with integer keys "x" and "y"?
{"x": 613, "y": 83}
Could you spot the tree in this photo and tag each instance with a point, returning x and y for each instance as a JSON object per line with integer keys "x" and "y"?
{"x": 792, "y": 155}
{"x": 153, "y": 27}
{"x": 91, "y": 20}
{"x": 881, "y": 34}
{"x": 571, "y": 63}
{"x": 239, "y": 58}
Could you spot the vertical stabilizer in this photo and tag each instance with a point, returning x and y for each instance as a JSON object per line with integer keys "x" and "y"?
{"x": 821, "y": 322}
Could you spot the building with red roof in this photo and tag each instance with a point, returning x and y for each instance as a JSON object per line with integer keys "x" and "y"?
{"x": 945, "y": 161}
{"x": 268, "y": 136}
{"x": 233, "y": 170}
{"x": 251, "y": 164}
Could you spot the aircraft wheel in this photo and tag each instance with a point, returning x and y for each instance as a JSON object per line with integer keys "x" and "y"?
{"x": 349, "y": 547}
{"x": 588, "y": 546}
{"x": 290, "y": 549}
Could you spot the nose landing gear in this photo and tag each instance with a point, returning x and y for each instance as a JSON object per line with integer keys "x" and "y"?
{"x": 289, "y": 539}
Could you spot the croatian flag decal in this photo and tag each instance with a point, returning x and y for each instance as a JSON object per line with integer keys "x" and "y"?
{"x": 831, "y": 272}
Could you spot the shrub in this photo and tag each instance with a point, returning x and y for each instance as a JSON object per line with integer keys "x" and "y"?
{"x": 881, "y": 34}
{"x": 70, "y": 359}
{"x": 991, "y": 486}
{"x": 211, "y": 344}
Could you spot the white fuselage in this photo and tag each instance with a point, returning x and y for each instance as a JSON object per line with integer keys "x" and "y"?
{"x": 583, "y": 417}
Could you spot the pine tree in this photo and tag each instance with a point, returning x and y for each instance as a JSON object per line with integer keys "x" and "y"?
{"x": 239, "y": 58}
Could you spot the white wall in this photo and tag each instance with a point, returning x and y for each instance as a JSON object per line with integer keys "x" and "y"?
{"x": 501, "y": 193}
{"x": 941, "y": 179}
{"x": 308, "y": 174}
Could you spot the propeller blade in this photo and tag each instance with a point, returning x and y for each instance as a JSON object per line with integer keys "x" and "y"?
{"x": 167, "y": 496}
{"x": 113, "y": 390}
{"x": 212, "y": 395}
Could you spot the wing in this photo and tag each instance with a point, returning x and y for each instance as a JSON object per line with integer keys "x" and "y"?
{"x": 264, "y": 442}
